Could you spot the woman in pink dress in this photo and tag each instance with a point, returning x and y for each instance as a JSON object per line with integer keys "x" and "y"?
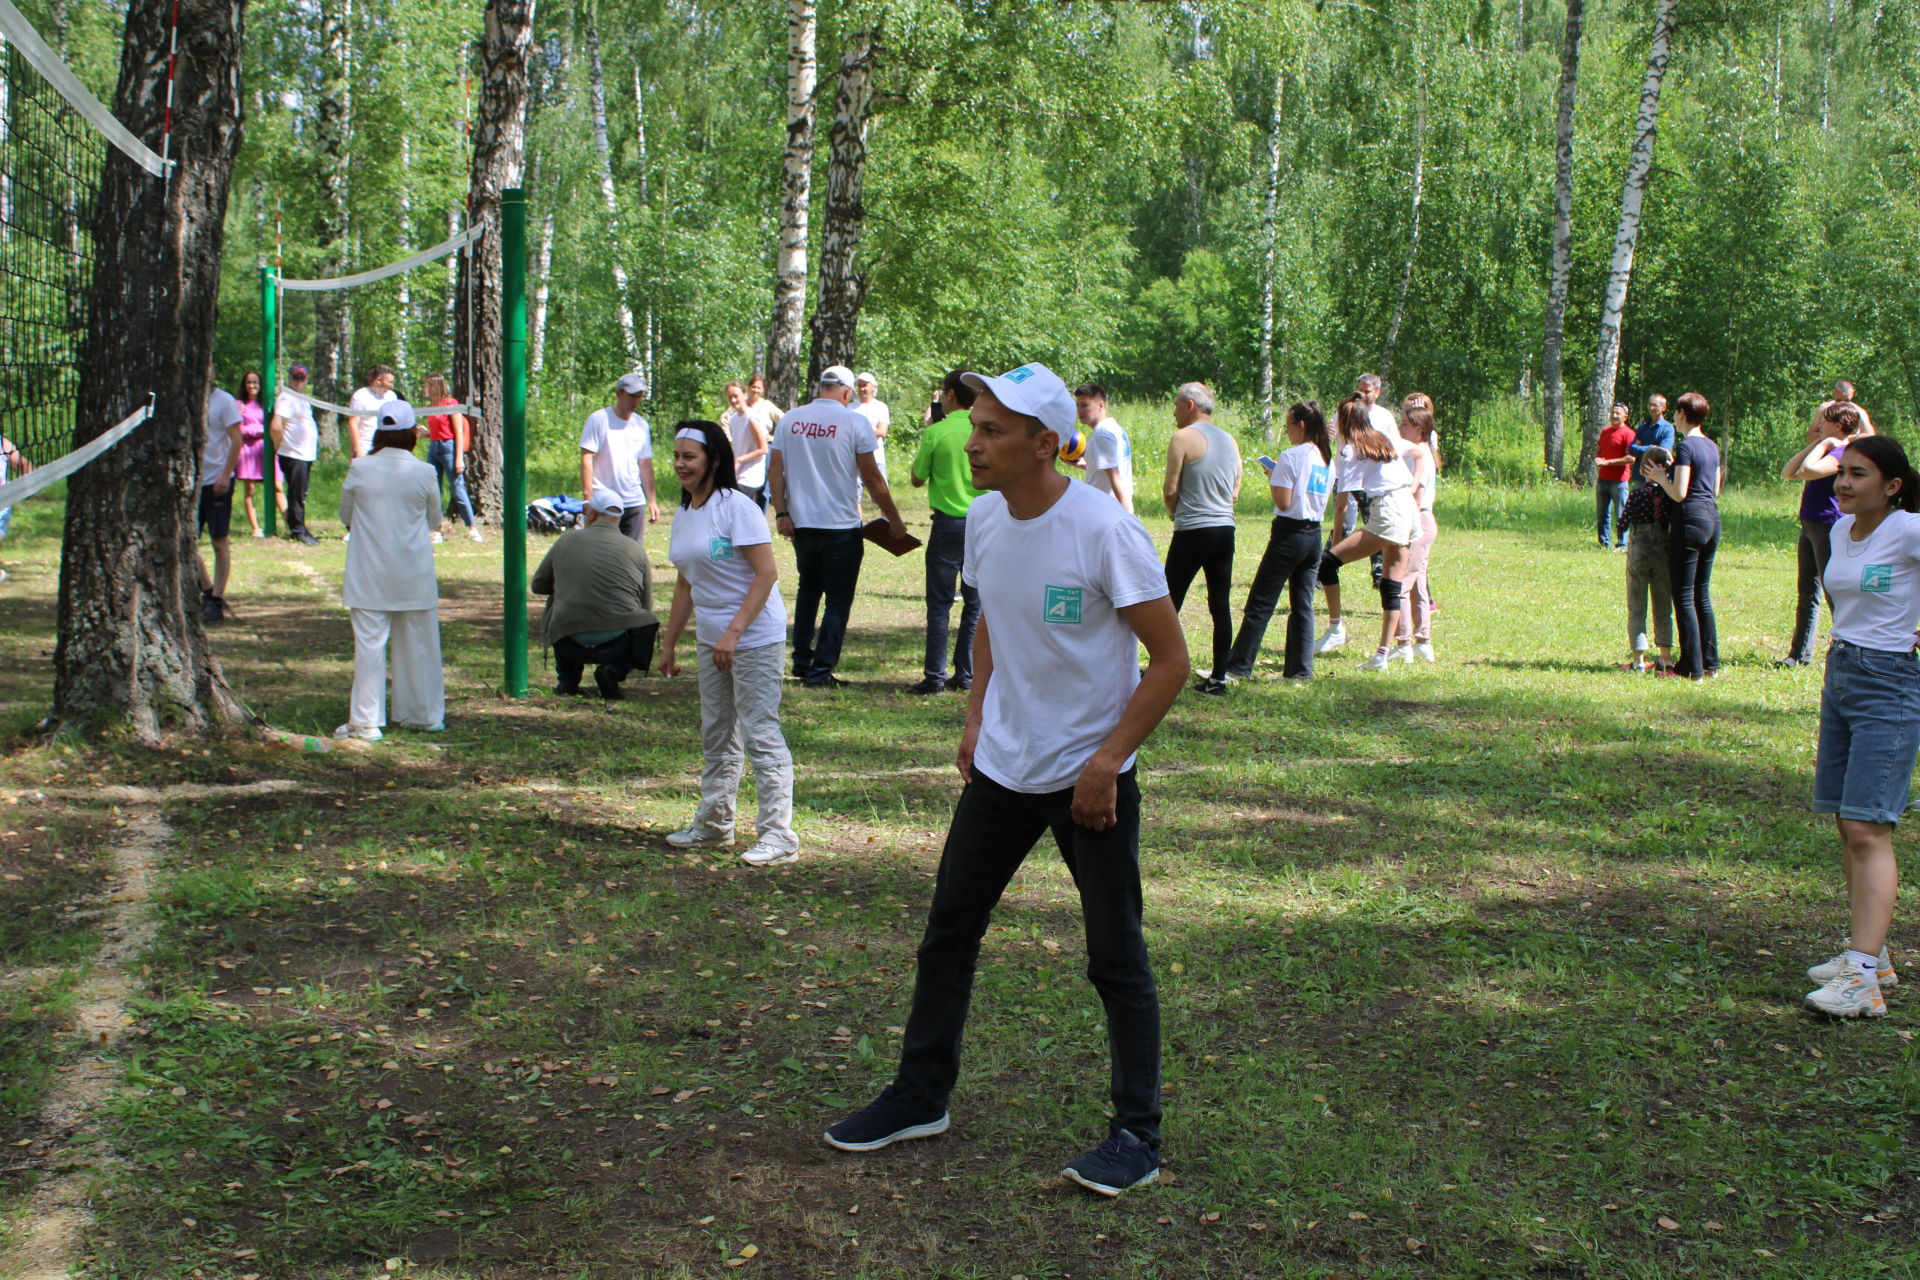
{"x": 253, "y": 447}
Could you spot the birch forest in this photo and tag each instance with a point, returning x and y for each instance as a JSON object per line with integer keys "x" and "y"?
{"x": 1526, "y": 208}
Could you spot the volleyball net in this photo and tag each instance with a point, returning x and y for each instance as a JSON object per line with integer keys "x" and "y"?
{"x": 54, "y": 139}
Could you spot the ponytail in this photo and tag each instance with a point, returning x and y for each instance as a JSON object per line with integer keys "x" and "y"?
{"x": 1314, "y": 423}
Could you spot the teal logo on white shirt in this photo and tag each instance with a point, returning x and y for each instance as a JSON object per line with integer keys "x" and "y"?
{"x": 1877, "y": 578}
{"x": 719, "y": 548}
{"x": 1320, "y": 481}
{"x": 1063, "y": 604}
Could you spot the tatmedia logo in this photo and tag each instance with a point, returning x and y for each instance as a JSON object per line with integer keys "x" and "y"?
{"x": 719, "y": 548}
{"x": 1877, "y": 578}
{"x": 1063, "y": 604}
{"x": 1021, "y": 374}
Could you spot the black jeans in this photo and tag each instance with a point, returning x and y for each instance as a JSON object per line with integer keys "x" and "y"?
{"x": 298, "y": 474}
{"x": 993, "y": 830}
{"x": 1816, "y": 543}
{"x": 618, "y": 657}
{"x": 946, "y": 548}
{"x": 1210, "y": 551}
{"x": 1695, "y": 538}
{"x": 1292, "y": 560}
{"x": 828, "y": 565}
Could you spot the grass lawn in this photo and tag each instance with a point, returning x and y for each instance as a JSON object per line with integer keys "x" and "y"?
{"x": 1491, "y": 968}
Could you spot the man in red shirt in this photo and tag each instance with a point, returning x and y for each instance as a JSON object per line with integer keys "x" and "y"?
{"x": 1610, "y": 489}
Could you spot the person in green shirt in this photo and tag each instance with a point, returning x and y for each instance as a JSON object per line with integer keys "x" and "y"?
{"x": 942, "y": 468}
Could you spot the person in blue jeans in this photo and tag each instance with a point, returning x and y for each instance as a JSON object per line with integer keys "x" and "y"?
{"x": 942, "y": 464}
{"x": 447, "y": 449}
{"x": 1694, "y": 484}
{"x": 1070, "y": 588}
{"x": 1612, "y": 470}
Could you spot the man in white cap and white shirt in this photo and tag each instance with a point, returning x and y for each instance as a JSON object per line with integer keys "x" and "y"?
{"x": 874, "y": 410}
{"x": 823, "y": 452}
{"x": 391, "y": 500}
{"x": 1069, "y": 587}
{"x": 616, "y": 454}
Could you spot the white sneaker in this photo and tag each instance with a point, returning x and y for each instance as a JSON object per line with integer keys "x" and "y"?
{"x": 697, "y": 835}
{"x": 364, "y": 733}
{"x": 1849, "y": 995}
{"x": 474, "y": 533}
{"x": 1332, "y": 638}
{"x": 1378, "y": 662}
{"x": 1402, "y": 652}
{"x": 259, "y": 533}
{"x": 438, "y": 537}
{"x": 1422, "y": 651}
{"x": 1840, "y": 965}
{"x": 768, "y": 854}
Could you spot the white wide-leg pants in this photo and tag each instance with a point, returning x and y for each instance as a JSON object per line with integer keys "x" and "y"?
{"x": 739, "y": 708}
{"x": 419, "y": 686}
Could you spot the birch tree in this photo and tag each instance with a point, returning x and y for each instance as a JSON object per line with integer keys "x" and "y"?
{"x": 1413, "y": 235}
{"x": 1606, "y": 357}
{"x": 333, "y": 133}
{"x": 1270, "y": 237}
{"x": 603, "y": 155}
{"x": 836, "y": 318}
{"x": 790, "y": 279}
{"x": 1562, "y": 270}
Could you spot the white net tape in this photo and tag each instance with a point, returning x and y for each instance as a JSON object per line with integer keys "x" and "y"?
{"x": 441, "y": 250}
{"x": 40, "y": 477}
{"x": 48, "y": 63}
{"x": 422, "y": 410}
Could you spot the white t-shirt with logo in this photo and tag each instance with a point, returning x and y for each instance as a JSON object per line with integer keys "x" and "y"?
{"x": 1301, "y": 471}
{"x": 618, "y": 446}
{"x": 819, "y": 445}
{"x": 740, "y": 432}
{"x": 1875, "y": 584}
{"x": 223, "y": 413}
{"x": 1110, "y": 449}
{"x": 366, "y": 402}
{"x": 1064, "y": 661}
{"x": 707, "y": 547}
{"x": 299, "y": 437}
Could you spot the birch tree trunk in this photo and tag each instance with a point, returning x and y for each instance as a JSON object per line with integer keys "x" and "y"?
{"x": 404, "y": 282}
{"x": 796, "y": 182}
{"x": 542, "y": 276}
{"x": 1269, "y": 232}
{"x": 131, "y": 652}
{"x": 836, "y": 318}
{"x": 1606, "y": 358}
{"x": 1555, "y": 392}
{"x": 603, "y": 153}
{"x": 498, "y": 155}
{"x": 640, "y": 135}
{"x": 332, "y": 132}
{"x": 1413, "y": 238}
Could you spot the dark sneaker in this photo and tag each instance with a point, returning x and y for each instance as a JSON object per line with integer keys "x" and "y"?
{"x": 1212, "y": 687}
{"x": 894, "y": 1116}
{"x": 928, "y": 685}
{"x": 306, "y": 539}
{"x": 567, "y": 690}
{"x": 212, "y": 607}
{"x": 960, "y": 686}
{"x": 609, "y": 687}
{"x": 824, "y": 682}
{"x": 1122, "y": 1161}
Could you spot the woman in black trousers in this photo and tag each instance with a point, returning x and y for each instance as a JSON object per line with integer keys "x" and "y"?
{"x": 1300, "y": 480}
{"x": 1694, "y": 485}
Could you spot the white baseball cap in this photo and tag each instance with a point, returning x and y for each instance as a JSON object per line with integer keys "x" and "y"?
{"x": 632, "y": 384}
{"x": 394, "y": 415}
{"x": 605, "y": 501}
{"x": 867, "y": 377}
{"x": 1032, "y": 389}
{"x": 834, "y": 375}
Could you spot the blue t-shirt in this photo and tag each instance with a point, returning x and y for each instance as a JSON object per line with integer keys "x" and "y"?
{"x": 1703, "y": 455}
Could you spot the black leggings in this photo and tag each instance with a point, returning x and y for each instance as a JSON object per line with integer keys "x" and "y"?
{"x": 1210, "y": 551}
{"x": 1696, "y": 536}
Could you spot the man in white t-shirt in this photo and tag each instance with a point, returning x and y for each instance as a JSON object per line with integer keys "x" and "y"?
{"x": 1069, "y": 587}
{"x": 822, "y": 454}
{"x": 1109, "y": 453}
{"x": 296, "y": 442}
{"x": 874, "y": 410}
{"x": 366, "y": 403}
{"x": 616, "y": 453}
{"x": 219, "y": 455}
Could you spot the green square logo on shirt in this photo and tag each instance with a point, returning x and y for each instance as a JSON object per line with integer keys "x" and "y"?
{"x": 1063, "y": 604}
{"x": 1876, "y": 578}
{"x": 719, "y": 548}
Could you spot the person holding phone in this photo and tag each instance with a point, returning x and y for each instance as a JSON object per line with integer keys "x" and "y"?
{"x": 1301, "y": 481}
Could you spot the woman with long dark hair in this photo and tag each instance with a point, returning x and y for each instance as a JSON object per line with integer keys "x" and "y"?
{"x": 723, "y": 552}
{"x": 1869, "y": 709}
{"x": 1301, "y": 482}
{"x": 1693, "y": 484}
{"x": 1837, "y": 422}
{"x": 1370, "y": 467}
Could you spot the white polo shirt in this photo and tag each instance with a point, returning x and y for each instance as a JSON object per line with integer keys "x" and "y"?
{"x": 299, "y": 438}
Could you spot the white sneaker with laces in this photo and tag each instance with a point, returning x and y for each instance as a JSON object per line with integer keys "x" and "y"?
{"x": 1402, "y": 652}
{"x": 1332, "y": 638}
{"x": 1423, "y": 651}
{"x": 767, "y": 854}
{"x": 364, "y": 733}
{"x": 1839, "y": 965}
{"x": 1849, "y": 995}
{"x": 697, "y": 835}
{"x": 1380, "y": 661}
{"x": 474, "y": 533}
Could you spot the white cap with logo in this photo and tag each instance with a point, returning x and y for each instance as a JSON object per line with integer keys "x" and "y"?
{"x": 1032, "y": 389}
{"x": 835, "y": 375}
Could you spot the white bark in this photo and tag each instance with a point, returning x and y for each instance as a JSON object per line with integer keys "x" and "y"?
{"x": 790, "y": 279}
{"x": 1270, "y": 233}
{"x": 542, "y": 278}
{"x": 1562, "y": 270}
{"x": 603, "y": 155}
{"x": 836, "y": 320}
{"x": 1413, "y": 237}
{"x": 1606, "y": 360}
{"x": 640, "y": 134}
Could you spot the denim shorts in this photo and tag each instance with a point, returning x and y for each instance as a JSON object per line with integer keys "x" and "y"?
{"x": 1869, "y": 734}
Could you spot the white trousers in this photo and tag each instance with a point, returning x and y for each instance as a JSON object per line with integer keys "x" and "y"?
{"x": 739, "y": 708}
{"x": 419, "y": 686}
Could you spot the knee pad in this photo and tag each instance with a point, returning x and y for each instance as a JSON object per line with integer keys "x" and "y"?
{"x": 1329, "y": 569}
{"x": 1390, "y": 593}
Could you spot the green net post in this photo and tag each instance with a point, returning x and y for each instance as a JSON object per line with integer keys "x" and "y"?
{"x": 269, "y": 365}
{"x": 513, "y": 432}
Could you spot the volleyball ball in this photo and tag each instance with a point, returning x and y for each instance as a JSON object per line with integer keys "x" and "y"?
{"x": 1073, "y": 448}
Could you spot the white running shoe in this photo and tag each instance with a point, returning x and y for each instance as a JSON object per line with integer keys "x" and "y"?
{"x": 697, "y": 835}
{"x": 365, "y": 734}
{"x": 1378, "y": 662}
{"x": 473, "y": 532}
{"x": 1423, "y": 651}
{"x": 1849, "y": 995}
{"x": 1332, "y": 638}
{"x": 438, "y": 537}
{"x": 1402, "y": 652}
{"x": 768, "y": 854}
{"x": 259, "y": 533}
{"x": 1839, "y": 965}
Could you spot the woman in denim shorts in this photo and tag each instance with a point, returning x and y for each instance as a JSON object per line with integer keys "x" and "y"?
{"x": 1869, "y": 709}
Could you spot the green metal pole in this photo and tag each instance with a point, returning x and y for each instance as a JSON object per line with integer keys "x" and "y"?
{"x": 513, "y": 432}
{"x": 269, "y": 363}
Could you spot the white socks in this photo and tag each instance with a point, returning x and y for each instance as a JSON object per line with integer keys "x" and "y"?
{"x": 1866, "y": 962}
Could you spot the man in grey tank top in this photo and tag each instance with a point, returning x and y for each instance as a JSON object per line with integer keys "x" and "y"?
{"x": 1201, "y": 487}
